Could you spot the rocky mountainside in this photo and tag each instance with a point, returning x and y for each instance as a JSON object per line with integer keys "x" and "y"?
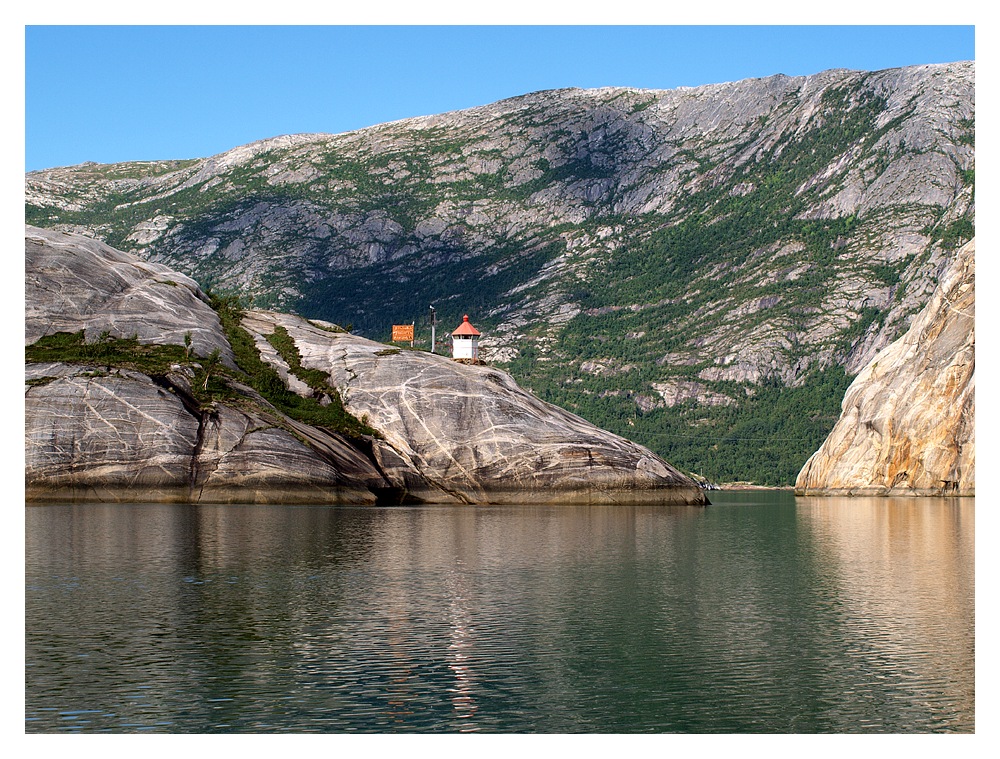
{"x": 667, "y": 263}
{"x": 908, "y": 422}
{"x": 137, "y": 388}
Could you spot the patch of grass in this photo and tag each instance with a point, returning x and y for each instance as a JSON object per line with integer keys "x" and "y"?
{"x": 151, "y": 359}
{"x": 317, "y": 379}
{"x": 328, "y": 328}
{"x": 266, "y": 381}
{"x": 127, "y": 353}
{"x": 643, "y": 106}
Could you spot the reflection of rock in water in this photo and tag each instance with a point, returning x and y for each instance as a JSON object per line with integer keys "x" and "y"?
{"x": 908, "y": 422}
{"x": 900, "y": 572}
{"x": 765, "y": 613}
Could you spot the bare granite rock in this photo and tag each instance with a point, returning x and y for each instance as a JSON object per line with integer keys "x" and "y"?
{"x": 111, "y": 436}
{"x": 74, "y": 283}
{"x": 452, "y": 433}
{"x": 472, "y": 432}
{"x": 908, "y": 422}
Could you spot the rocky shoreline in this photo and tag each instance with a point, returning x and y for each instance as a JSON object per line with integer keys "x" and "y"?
{"x": 136, "y": 391}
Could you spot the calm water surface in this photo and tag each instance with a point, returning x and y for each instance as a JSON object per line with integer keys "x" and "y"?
{"x": 760, "y": 613}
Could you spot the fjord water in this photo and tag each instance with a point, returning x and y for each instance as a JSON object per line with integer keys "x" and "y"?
{"x": 761, "y": 613}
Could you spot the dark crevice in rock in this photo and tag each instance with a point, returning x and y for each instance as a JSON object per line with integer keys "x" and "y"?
{"x": 203, "y": 416}
{"x": 198, "y": 474}
{"x": 388, "y": 494}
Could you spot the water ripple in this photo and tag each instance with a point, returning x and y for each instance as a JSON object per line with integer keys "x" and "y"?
{"x": 760, "y": 616}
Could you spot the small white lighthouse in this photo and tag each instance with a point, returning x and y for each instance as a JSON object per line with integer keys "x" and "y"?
{"x": 465, "y": 341}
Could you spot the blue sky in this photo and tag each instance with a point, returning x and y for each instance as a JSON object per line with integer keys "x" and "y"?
{"x": 120, "y": 93}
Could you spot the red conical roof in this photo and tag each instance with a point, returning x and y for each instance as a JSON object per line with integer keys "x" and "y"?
{"x": 466, "y": 328}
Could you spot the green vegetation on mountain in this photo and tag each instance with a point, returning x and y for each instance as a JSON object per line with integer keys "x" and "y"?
{"x": 760, "y": 440}
{"x": 690, "y": 268}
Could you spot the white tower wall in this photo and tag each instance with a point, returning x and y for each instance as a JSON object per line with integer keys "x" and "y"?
{"x": 465, "y": 347}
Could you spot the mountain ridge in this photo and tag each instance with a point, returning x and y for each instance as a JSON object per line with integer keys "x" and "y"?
{"x": 620, "y": 248}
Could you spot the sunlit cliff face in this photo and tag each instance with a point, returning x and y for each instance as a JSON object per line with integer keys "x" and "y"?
{"x": 908, "y": 422}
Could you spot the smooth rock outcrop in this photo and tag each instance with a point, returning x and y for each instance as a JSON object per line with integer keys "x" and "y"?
{"x": 73, "y": 282}
{"x": 93, "y": 434}
{"x": 452, "y": 433}
{"x": 472, "y": 432}
{"x": 908, "y": 422}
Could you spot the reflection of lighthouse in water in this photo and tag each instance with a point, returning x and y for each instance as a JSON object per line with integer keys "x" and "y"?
{"x": 460, "y": 650}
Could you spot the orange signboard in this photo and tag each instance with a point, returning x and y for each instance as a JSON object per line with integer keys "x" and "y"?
{"x": 402, "y": 333}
